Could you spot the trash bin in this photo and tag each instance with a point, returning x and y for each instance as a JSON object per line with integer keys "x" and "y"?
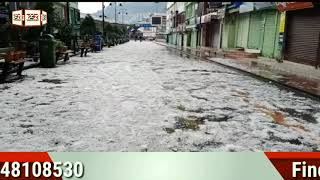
{"x": 47, "y": 48}
{"x": 98, "y": 42}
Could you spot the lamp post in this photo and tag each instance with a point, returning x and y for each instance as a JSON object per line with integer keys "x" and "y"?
{"x": 103, "y": 16}
{"x": 122, "y": 12}
{"x": 115, "y": 10}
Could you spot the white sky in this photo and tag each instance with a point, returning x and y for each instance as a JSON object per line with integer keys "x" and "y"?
{"x": 91, "y": 7}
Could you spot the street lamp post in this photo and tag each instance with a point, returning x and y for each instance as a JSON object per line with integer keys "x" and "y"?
{"x": 115, "y": 10}
{"x": 122, "y": 12}
{"x": 103, "y": 16}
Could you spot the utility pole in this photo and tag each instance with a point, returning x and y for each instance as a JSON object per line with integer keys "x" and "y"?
{"x": 103, "y": 16}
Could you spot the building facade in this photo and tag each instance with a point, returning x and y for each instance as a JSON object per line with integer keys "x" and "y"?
{"x": 191, "y": 35}
{"x": 70, "y": 13}
{"x": 158, "y": 20}
{"x": 287, "y": 30}
{"x": 171, "y": 8}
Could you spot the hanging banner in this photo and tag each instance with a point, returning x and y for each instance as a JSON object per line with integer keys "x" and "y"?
{"x": 290, "y": 6}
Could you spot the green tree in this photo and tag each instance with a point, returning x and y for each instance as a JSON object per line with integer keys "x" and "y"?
{"x": 52, "y": 20}
{"x": 88, "y": 26}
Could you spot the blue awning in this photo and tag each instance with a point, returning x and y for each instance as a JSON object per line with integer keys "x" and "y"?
{"x": 246, "y": 7}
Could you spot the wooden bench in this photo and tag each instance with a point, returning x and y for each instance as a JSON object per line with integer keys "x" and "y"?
{"x": 64, "y": 54}
{"x": 84, "y": 48}
{"x": 11, "y": 66}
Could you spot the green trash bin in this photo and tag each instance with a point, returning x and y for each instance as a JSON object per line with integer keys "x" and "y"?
{"x": 47, "y": 46}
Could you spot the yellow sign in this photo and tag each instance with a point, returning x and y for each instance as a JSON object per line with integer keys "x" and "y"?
{"x": 282, "y": 22}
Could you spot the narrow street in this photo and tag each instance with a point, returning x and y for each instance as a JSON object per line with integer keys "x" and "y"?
{"x": 140, "y": 96}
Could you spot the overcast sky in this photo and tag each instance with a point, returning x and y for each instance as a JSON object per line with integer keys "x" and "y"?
{"x": 91, "y": 7}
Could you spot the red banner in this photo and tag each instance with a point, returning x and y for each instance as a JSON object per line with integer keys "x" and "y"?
{"x": 296, "y": 165}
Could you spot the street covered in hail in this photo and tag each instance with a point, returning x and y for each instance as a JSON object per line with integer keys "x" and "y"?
{"x": 141, "y": 96}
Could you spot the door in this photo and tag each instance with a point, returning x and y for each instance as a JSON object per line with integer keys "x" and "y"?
{"x": 216, "y": 34}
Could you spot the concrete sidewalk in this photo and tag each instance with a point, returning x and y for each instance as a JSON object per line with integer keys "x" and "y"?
{"x": 297, "y": 76}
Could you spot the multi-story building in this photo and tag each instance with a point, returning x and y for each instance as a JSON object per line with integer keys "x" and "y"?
{"x": 191, "y": 35}
{"x": 211, "y": 15}
{"x": 180, "y": 25}
{"x": 158, "y": 20}
{"x": 286, "y": 30}
{"x": 169, "y": 22}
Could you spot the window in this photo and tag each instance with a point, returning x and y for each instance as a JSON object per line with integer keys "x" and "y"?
{"x": 156, "y": 20}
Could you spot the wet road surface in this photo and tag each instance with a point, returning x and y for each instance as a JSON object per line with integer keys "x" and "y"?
{"x": 145, "y": 97}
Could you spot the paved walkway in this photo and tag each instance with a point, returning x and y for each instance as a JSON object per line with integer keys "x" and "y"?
{"x": 298, "y": 76}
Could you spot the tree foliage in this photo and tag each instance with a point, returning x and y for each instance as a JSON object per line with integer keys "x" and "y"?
{"x": 114, "y": 32}
{"x": 88, "y": 26}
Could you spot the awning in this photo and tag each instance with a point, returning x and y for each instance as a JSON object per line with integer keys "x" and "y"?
{"x": 264, "y": 5}
{"x": 246, "y": 7}
{"x": 290, "y": 6}
{"x": 207, "y": 18}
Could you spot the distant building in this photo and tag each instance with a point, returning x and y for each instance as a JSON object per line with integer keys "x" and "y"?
{"x": 154, "y": 26}
{"x": 159, "y": 20}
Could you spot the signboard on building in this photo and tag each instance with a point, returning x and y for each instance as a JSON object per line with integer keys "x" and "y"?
{"x": 282, "y": 22}
{"x": 290, "y": 6}
{"x": 29, "y": 18}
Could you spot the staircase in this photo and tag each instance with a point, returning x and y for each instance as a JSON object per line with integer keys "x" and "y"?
{"x": 239, "y": 53}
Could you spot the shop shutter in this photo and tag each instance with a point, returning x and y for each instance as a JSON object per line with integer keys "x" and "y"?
{"x": 232, "y": 32}
{"x": 302, "y": 40}
{"x": 243, "y": 28}
{"x": 256, "y": 30}
{"x": 216, "y": 34}
{"x": 270, "y": 32}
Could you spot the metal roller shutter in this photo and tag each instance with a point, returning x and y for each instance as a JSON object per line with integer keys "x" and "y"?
{"x": 303, "y": 31}
{"x": 256, "y": 30}
{"x": 243, "y": 29}
{"x": 270, "y": 32}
